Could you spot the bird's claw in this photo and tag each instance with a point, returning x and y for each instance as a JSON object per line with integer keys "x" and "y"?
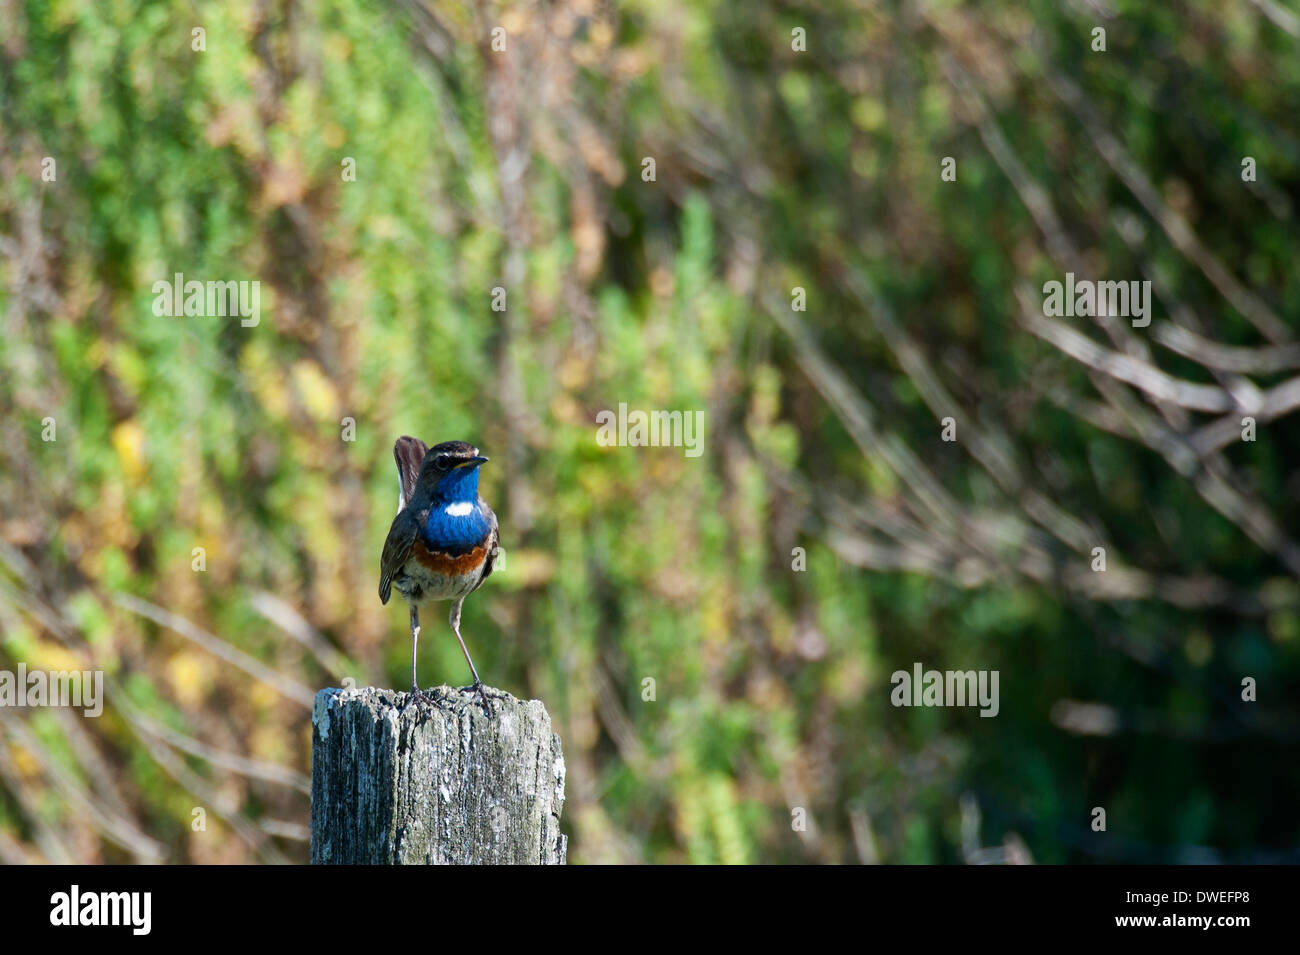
{"x": 484, "y": 694}
{"x": 419, "y": 698}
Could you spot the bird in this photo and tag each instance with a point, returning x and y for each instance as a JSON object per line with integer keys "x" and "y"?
{"x": 443, "y": 542}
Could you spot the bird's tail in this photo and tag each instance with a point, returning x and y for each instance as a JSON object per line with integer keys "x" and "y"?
{"x": 408, "y": 452}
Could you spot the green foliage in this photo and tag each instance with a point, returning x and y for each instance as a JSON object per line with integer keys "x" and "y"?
{"x": 775, "y": 169}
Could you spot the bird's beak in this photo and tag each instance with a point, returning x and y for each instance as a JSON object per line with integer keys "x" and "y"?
{"x": 469, "y": 461}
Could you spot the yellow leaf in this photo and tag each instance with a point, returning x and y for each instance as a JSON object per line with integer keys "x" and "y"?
{"x": 128, "y": 442}
{"x": 186, "y": 672}
{"x": 315, "y": 390}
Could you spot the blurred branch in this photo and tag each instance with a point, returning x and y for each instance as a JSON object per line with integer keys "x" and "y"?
{"x": 291, "y": 688}
{"x": 48, "y": 839}
{"x": 1275, "y": 403}
{"x": 208, "y": 797}
{"x": 1210, "y": 475}
{"x": 859, "y": 419}
{"x": 992, "y": 451}
{"x": 283, "y": 829}
{"x": 252, "y": 768}
{"x": 116, "y": 828}
{"x": 1247, "y": 361}
{"x": 1177, "y": 228}
{"x": 296, "y": 625}
{"x": 1038, "y": 201}
{"x": 1280, "y": 17}
{"x": 1141, "y": 375}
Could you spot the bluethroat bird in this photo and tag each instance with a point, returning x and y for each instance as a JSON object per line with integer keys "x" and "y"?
{"x": 443, "y": 542}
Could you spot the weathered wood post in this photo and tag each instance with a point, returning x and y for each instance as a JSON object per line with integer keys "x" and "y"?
{"x": 434, "y": 785}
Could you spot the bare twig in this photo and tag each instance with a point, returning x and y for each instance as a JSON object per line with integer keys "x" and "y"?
{"x": 1141, "y": 375}
{"x": 291, "y": 688}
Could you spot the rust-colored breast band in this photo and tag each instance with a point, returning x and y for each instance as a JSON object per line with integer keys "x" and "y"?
{"x": 441, "y": 563}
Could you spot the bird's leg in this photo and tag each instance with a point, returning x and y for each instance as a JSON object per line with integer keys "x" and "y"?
{"x": 477, "y": 688}
{"x": 454, "y": 620}
{"x": 415, "y": 696}
{"x": 415, "y": 639}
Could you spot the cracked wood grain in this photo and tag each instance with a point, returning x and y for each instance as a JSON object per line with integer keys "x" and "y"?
{"x": 444, "y": 785}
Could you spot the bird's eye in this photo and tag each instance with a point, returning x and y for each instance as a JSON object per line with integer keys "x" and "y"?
{"x": 443, "y": 462}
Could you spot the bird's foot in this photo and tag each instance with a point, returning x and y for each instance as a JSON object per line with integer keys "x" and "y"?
{"x": 484, "y": 695}
{"x": 418, "y": 698}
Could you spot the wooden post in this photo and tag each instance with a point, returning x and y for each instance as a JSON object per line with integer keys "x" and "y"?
{"x": 434, "y": 785}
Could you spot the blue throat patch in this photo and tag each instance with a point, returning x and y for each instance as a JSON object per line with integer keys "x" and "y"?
{"x": 456, "y": 533}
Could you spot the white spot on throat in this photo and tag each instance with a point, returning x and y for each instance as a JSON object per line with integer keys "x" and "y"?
{"x": 459, "y": 509}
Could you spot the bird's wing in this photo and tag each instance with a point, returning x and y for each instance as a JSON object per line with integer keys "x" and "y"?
{"x": 397, "y": 548}
{"x": 408, "y": 452}
{"x": 493, "y": 538}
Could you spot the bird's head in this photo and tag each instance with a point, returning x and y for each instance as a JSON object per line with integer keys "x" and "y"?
{"x": 449, "y": 471}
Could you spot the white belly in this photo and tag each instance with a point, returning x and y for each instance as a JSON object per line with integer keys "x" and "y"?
{"x": 419, "y": 584}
